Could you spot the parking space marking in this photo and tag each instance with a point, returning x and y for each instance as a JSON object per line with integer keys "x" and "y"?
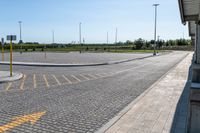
{"x": 9, "y": 85}
{"x": 34, "y": 81}
{"x": 76, "y": 78}
{"x": 102, "y": 75}
{"x": 46, "y": 82}
{"x": 56, "y": 80}
{"x": 92, "y": 76}
{"x": 22, "y": 82}
{"x": 66, "y": 79}
{"x": 84, "y": 76}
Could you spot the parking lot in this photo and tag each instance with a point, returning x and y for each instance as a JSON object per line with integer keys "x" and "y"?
{"x": 77, "y": 99}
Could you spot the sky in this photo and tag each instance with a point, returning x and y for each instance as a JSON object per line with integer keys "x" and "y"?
{"x": 133, "y": 18}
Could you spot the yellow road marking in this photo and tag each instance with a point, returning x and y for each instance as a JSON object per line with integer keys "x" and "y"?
{"x": 34, "y": 82}
{"x": 84, "y": 76}
{"x": 22, "y": 83}
{"x": 45, "y": 79}
{"x": 9, "y": 85}
{"x": 76, "y": 78}
{"x": 92, "y": 76}
{"x": 67, "y": 79}
{"x": 32, "y": 118}
{"x": 102, "y": 74}
{"x": 56, "y": 80}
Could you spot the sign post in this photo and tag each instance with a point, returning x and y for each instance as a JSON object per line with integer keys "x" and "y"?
{"x": 11, "y": 38}
{"x": 2, "y": 48}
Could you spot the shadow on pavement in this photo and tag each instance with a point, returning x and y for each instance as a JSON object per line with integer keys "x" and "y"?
{"x": 180, "y": 120}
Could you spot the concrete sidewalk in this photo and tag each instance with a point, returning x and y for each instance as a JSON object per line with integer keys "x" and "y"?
{"x": 160, "y": 109}
{"x": 5, "y": 76}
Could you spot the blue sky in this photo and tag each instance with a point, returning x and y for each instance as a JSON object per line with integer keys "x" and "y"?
{"x": 133, "y": 18}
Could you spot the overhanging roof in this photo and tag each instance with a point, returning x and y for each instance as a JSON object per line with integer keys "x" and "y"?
{"x": 189, "y": 10}
{"x": 192, "y": 28}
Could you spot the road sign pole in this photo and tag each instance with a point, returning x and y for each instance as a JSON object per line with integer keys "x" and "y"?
{"x": 11, "y": 38}
{"x": 2, "y": 50}
{"x": 11, "y": 57}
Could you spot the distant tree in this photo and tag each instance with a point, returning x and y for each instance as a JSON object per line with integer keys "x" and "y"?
{"x": 139, "y": 43}
{"x": 128, "y": 42}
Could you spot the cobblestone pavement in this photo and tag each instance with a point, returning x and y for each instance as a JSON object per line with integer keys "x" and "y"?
{"x": 80, "y": 99}
{"x": 163, "y": 108}
{"x": 72, "y": 57}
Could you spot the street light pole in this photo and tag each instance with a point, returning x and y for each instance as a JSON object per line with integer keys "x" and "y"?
{"x": 107, "y": 37}
{"x": 155, "y": 5}
{"x": 80, "y": 38}
{"x": 20, "y": 31}
{"x": 53, "y": 36}
{"x": 116, "y": 33}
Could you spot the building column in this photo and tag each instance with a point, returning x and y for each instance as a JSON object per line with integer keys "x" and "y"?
{"x": 197, "y": 46}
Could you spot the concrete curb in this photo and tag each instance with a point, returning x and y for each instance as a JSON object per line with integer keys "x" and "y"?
{"x": 70, "y": 65}
{"x": 5, "y": 76}
{"x": 129, "y": 106}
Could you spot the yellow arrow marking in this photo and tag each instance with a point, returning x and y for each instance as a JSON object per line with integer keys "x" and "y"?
{"x": 32, "y": 118}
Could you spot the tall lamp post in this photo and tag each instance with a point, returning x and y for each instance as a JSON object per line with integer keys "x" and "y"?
{"x": 107, "y": 38}
{"x": 155, "y": 5}
{"x": 52, "y": 36}
{"x": 20, "y": 32}
{"x": 80, "y": 38}
{"x": 116, "y": 35}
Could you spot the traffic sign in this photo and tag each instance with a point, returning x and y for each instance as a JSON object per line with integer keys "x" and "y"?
{"x": 11, "y": 37}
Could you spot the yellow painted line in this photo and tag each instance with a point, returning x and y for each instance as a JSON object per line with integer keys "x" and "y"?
{"x": 32, "y": 118}
{"x": 98, "y": 75}
{"x": 70, "y": 82}
{"x": 76, "y": 78}
{"x": 92, "y": 76}
{"x": 104, "y": 74}
{"x": 45, "y": 79}
{"x": 34, "y": 81}
{"x": 84, "y": 76}
{"x": 56, "y": 80}
{"x": 9, "y": 85}
{"x": 22, "y": 82}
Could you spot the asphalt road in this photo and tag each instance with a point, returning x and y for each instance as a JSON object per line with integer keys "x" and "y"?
{"x": 77, "y": 99}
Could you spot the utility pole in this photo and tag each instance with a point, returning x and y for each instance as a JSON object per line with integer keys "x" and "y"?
{"x": 53, "y": 36}
{"x": 20, "y": 34}
{"x": 158, "y": 43}
{"x": 155, "y": 30}
{"x": 116, "y": 35}
{"x": 107, "y": 38}
{"x": 80, "y": 38}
